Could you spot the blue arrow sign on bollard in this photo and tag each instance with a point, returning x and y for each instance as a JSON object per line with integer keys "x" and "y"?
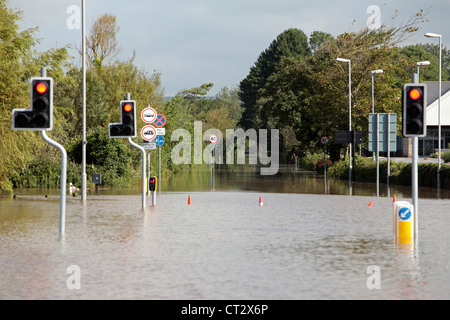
{"x": 159, "y": 141}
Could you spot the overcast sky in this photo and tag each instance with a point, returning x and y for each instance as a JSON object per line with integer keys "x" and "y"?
{"x": 191, "y": 42}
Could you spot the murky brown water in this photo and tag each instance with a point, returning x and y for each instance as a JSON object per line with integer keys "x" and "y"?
{"x": 224, "y": 246}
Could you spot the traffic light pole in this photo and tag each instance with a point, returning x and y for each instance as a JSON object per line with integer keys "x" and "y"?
{"x": 62, "y": 206}
{"x": 63, "y": 183}
{"x": 415, "y": 172}
{"x": 144, "y": 167}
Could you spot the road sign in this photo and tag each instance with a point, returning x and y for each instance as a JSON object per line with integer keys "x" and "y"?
{"x": 159, "y": 140}
{"x": 148, "y": 115}
{"x": 387, "y": 132}
{"x": 161, "y": 131}
{"x": 148, "y": 133}
{"x": 405, "y": 213}
{"x": 344, "y": 137}
{"x": 160, "y": 121}
{"x": 149, "y": 145}
{"x": 325, "y": 140}
{"x": 213, "y": 138}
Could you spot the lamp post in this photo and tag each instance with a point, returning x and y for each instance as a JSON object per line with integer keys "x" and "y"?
{"x": 373, "y": 91}
{"x": 84, "y": 142}
{"x": 349, "y": 112}
{"x": 434, "y": 35}
{"x": 374, "y": 72}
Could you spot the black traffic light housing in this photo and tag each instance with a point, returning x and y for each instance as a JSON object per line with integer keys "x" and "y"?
{"x": 414, "y": 103}
{"x": 152, "y": 184}
{"x": 127, "y": 127}
{"x": 40, "y": 115}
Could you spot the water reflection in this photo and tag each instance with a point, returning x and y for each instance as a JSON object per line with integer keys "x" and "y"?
{"x": 301, "y": 244}
{"x": 288, "y": 180}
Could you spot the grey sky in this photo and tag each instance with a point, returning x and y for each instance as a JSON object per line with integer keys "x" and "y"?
{"x": 192, "y": 42}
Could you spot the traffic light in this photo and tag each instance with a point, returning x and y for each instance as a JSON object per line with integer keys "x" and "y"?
{"x": 40, "y": 115}
{"x": 127, "y": 128}
{"x": 152, "y": 184}
{"x": 414, "y": 110}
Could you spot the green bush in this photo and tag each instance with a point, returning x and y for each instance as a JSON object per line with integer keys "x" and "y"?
{"x": 446, "y": 156}
{"x": 309, "y": 161}
{"x": 366, "y": 168}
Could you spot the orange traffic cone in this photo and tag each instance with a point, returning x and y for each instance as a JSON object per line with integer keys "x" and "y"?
{"x": 261, "y": 201}
{"x": 395, "y": 198}
{"x": 189, "y": 200}
{"x": 371, "y": 204}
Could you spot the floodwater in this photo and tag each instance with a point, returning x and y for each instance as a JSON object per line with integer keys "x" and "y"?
{"x": 298, "y": 245}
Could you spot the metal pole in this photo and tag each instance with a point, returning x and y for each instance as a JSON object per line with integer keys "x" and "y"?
{"x": 373, "y": 105}
{"x": 63, "y": 183}
{"x": 414, "y": 173}
{"x": 388, "y": 153}
{"x": 325, "y": 167}
{"x": 149, "y": 171}
{"x": 84, "y": 142}
{"x": 159, "y": 169}
{"x": 350, "y": 116}
{"x": 378, "y": 154}
{"x": 144, "y": 167}
{"x": 439, "y": 116}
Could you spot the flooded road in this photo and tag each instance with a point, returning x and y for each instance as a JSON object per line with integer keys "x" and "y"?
{"x": 223, "y": 246}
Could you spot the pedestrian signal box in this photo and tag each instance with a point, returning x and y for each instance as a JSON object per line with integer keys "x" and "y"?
{"x": 152, "y": 184}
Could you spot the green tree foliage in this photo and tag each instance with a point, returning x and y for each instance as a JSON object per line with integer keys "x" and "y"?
{"x": 25, "y": 158}
{"x": 307, "y": 95}
{"x": 291, "y": 43}
{"x": 15, "y": 49}
{"x": 428, "y": 52}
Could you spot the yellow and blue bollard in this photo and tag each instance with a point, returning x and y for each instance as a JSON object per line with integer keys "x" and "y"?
{"x": 404, "y": 222}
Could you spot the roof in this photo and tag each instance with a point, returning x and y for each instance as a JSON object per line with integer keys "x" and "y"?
{"x": 432, "y": 99}
{"x": 433, "y": 90}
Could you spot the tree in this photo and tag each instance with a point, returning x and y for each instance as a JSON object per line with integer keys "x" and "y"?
{"x": 102, "y": 43}
{"x": 15, "y": 55}
{"x": 318, "y": 39}
{"x": 428, "y": 52}
{"x": 310, "y": 93}
{"x": 291, "y": 43}
{"x": 229, "y": 99}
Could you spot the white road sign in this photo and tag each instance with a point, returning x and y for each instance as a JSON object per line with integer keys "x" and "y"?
{"x": 148, "y": 133}
{"x": 213, "y": 138}
{"x": 161, "y": 131}
{"x": 148, "y": 115}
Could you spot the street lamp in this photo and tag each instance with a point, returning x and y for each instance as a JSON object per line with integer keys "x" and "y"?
{"x": 435, "y": 35}
{"x": 374, "y": 72}
{"x": 349, "y": 111}
{"x": 421, "y": 63}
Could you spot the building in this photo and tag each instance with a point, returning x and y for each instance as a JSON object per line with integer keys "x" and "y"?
{"x": 430, "y": 144}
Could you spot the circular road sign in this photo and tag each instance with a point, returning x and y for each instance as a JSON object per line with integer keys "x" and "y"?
{"x": 160, "y": 121}
{"x": 160, "y": 141}
{"x": 148, "y": 115}
{"x": 325, "y": 140}
{"x": 213, "y": 138}
{"x": 148, "y": 133}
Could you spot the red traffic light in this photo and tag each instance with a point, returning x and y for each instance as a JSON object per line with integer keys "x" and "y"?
{"x": 415, "y": 94}
{"x": 128, "y": 107}
{"x": 41, "y": 88}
